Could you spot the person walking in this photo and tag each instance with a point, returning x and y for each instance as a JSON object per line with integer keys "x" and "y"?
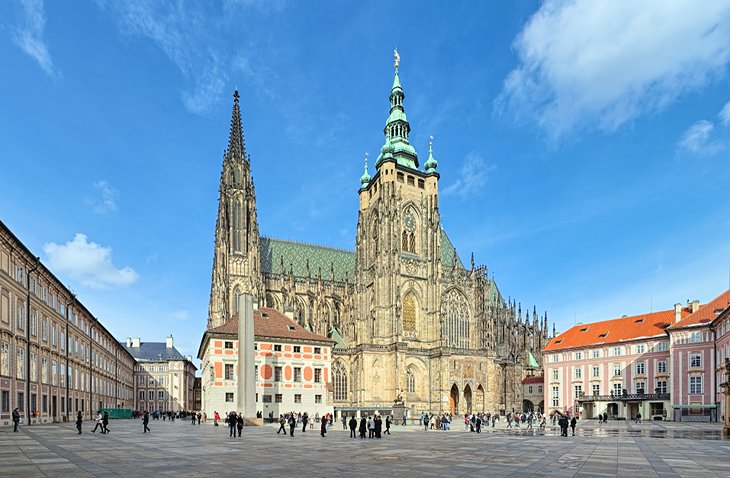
{"x": 305, "y": 420}
{"x": 371, "y": 427}
{"x": 79, "y": 421}
{"x": 292, "y": 425}
{"x": 573, "y": 421}
{"x": 105, "y": 421}
{"x": 99, "y": 423}
{"x": 387, "y": 425}
{"x": 216, "y": 417}
{"x": 16, "y": 419}
{"x": 563, "y": 422}
{"x": 146, "y": 421}
{"x": 232, "y": 420}
{"x": 363, "y": 426}
{"x": 478, "y": 425}
{"x": 425, "y": 422}
{"x": 282, "y": 425}
{"x": 605, "y": 417}
{"x": 353, "y": 426}
{"x": 239, "y": 424}
{"x": 638, "y": 417}
{"x": 195, "y": 419}
{"x": 323, "y": 428}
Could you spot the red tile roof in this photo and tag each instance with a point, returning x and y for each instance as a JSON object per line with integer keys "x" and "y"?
{"x": 615, "y": 330}
{"x": 706, "y": 313}
{"x": 271, "y": 323}
{"x": 528, "y": 380}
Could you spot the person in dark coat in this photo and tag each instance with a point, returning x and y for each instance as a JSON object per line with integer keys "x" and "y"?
{"x": 16, "y": 419}
{"x": 378, "y": 426}
{"x": 105, "y": 422}
{"x": 479, "y": 425}
{"x": 305, "y": 420}
{"x": 563, "y": 423}
{"x": 573, "y": 421}
{"x": 282, "y": 425}
{"x": 323, "y": 428}
{"x": 353, "y": 426}
{"x": 387, "y": 425}
{"x": 232, "y": 420}
{"x": 146, "y": 421}
{"x": 239, "y": 424}
{"x": 363, "y": 427}
{"x": 292, "y": 424}
{"x": 79, "y": 421}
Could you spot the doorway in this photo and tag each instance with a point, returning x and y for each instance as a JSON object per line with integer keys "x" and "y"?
{"x": 454, "y": 400}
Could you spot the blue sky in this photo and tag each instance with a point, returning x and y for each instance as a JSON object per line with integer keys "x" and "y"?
{"x": 583, "y": 145}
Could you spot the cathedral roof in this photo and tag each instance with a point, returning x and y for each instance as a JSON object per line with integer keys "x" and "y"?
{"x": 448, "y": 252}
{"x": 296, "y": 256}
{"x": 270, "y": 323}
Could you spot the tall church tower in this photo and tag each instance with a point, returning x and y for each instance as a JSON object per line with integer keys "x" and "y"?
{"x": 398, "y": 242}
{"x": 236, "y": 257}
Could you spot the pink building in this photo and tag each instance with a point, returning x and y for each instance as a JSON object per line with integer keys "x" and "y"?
{"x": 697, "y": 370}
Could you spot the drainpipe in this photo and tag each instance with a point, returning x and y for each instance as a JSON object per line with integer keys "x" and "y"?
{"x": 27, "y": 339}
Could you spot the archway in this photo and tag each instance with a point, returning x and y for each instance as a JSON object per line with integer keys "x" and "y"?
{"x": 527, "y": 406}
{"x": 454, "y": 400}
{"x": 467, "y": 398}
{"x": 480, "y": 399}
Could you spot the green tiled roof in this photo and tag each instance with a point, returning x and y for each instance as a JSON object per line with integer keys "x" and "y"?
{"x": 447, "y": 252}
{"x": 296, "y": 254}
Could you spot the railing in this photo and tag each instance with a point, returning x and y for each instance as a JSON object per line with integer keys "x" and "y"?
{"x": 623, "y": 397}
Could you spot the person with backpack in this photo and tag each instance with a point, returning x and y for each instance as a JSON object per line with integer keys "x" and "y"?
{"x": 105, "y": 421}
{"x": 282, "y": 425}
{"x": 239, "y": 424}
{"x": 16, "y": 419}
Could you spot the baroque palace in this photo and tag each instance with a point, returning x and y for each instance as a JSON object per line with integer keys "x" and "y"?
{"x": 412, "y": 325}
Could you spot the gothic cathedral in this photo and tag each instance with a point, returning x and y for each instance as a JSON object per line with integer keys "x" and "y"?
{"x": 411, "y": 323}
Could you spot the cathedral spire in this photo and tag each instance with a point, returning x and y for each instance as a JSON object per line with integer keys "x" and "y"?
{"x": 236, "y": 144}
{"x": 397, "y": 128}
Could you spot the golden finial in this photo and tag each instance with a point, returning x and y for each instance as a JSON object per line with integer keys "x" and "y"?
{"x": 397, "y": 58}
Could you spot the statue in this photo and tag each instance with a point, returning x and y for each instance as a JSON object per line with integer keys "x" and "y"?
{"x": 397, "y": 58}
{"x": 398, "y": 399}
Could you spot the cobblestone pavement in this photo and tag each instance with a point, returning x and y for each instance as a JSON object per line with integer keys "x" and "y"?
{"x": 655, "y": 449}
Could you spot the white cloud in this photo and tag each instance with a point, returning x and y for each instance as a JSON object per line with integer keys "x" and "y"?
{"x": 725, "y": 114}
{"x": 106, "y": 201}
{"x": 30, "y": 37}
{"x": 473, "y": 175}
{"x": 180, "y": 316}
{"x": 88, "y": 263}
{"x": 604, "y": 63}
{"x": 698, "y": 139}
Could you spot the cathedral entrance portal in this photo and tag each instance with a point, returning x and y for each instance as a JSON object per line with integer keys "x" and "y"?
{"x": 480, "y": 399}
{"x": 454, "y": 400}
{"x": 467, "y": 398}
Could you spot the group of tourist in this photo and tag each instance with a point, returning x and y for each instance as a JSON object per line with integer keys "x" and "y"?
{"x": 372, "y": 425}
{"x": 294, "y": 420}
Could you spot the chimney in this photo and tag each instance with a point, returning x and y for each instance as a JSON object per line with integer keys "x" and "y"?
{"x": 135, "y": 342}
{"x": 677, "y": 312}
{"x": 129, "y": 342}
{"x": 694, "y": 306}
{"x": 168, "y": 341}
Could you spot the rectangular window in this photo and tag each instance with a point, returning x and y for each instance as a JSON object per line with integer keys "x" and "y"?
{"x": 277, "y": 347}
{"x": 278, "y": 398}
{"x": 21, "y": 401}
{"x": 266, "y": 398}
{"x": 660, "y": 347}
{"x": 661, "y": 386}
{"x": 617, "y": 370}
{"x": 539, "y": 389}
{"x": 318, "y": 399}
{"x": 411, "y": 180}
{"x": 33, "y": 367}
{"x": 695, "y": 384}
{"x": 695, "y": 337}
{"x": 578, "y": 355}
{"x": 695, "y": 360}
{"x": 400, "y": 176}
{"x": 5, "y": 359}
{"x": 20, "y": 363}
{"x": 141, "y": 380}
{"x": 256, "y": 372}
{"x": 54, "y": 372}
{"x": 640, "y": 368}
{"x": 297, "y": 374}
{"x": 640, "y": 349}
{"x": 578, "y": 372}
{"x": 578, "y": 391}
{"x": 617, "y": 388}
{"x": 639, "y": 387}
{"x": 228, "y": 371}
{"x": 556, "y": 358}
{"x": 277, "y": 374}
{"x": 317, "y": 375}
{"x": 5, "y": 401}
{"x": 229, "y": 396}
{"x": 596, "y": 353}
{"x": 595, "y": 371}
{"x": 151, "y": 395}
{"x": 556, "y": 396}
{"x": 661, "y": 366}
{"x": 141, "y": 394}
{"x": 555, "y": 374}
{"x": 616, "y": 351}
{"x": 160, "y": 395}
{"x": 317, "y": 350}
{"x": 228, "y": 344}
{"x": 297, "y": 398}
{"x": 596, "y": 389}
{"x": 297, "y": 349}
{"x": 44, "y": 369}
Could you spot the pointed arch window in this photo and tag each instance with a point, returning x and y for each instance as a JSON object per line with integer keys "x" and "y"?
{"x": 410, "y": 381}
{"x": 455, "y": 314}
{"x": 409, "y": 313}
{"x": 237, "y": 226}
{"x": 339, "y": 379}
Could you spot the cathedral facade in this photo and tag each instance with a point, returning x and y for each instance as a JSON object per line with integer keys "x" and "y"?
{"x": 412, "y": 324}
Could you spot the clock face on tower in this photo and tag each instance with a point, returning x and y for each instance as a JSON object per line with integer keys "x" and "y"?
{"x": 410, "y": 222}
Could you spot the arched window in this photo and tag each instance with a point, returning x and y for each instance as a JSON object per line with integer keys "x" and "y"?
{"x": 405, "y": 241}
{"x": 409, "y": 313}
{"x": 455, "y": 313}
{"x": 412, "y": 243}
{"x": 339, "y": 379}
{"x": 375, "y": 240}
{"x": 410, "y": 381}
{"x": 237, "y": 229}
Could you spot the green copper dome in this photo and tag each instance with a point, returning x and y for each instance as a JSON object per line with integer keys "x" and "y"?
{"x": 431, "y": 163}
{"x": 397, "y": 129}
{"x": 365, "y": 178}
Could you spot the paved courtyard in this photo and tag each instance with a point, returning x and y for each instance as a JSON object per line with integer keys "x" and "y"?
{"x": 656, "y": 449}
